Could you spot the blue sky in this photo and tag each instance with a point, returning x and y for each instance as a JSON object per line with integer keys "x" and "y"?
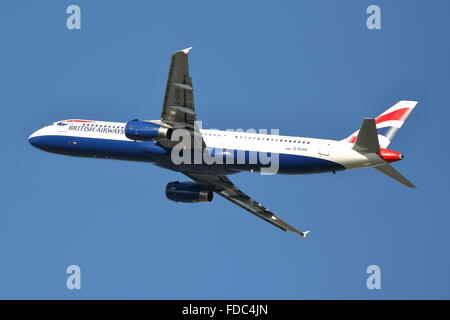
{"x": 309, "y": 68}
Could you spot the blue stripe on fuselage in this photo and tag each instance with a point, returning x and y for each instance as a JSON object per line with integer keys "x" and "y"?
{"x": 150, "y": 151}
{"x": 90, "y": 147}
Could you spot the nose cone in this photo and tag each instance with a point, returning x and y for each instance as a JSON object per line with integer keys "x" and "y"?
{"x": 47, "y": 139}
{"x": 37, "y": 139}
{"x": 35, "y": 142}
{"x": 32, "y": 140}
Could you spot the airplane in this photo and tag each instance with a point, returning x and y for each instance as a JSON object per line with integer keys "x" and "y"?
{"x": 153, "y": 141}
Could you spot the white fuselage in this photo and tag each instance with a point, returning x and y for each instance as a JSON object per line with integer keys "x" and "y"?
{"x": 85, "y": 137}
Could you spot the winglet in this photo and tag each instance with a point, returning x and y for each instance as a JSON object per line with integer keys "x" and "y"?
{"x": 304, "y": 234}
{"x": 186, "y": 51}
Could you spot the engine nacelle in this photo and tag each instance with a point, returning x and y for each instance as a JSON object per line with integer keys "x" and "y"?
{"x": 188, "y": 192}
{"x": 146, "y": 131}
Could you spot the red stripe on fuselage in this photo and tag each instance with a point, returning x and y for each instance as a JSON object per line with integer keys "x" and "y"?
{"x": 77, "y": 121}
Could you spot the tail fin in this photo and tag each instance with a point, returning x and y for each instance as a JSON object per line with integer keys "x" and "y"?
{"x": 367, "y": 137}
{"x": 389, "y": 122}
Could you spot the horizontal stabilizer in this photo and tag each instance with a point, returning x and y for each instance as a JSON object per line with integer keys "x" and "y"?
{"x": 367, "y": 139}
{"x": 394, "y": 174}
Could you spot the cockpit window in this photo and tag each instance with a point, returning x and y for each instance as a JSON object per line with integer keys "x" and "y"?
{"x": 51, "y": 124}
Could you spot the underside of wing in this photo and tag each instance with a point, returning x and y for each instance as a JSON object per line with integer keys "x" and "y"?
{"x": 178, "y": 105}
{"x": 224, "y": 187}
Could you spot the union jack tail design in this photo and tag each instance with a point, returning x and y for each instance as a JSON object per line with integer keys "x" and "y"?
{"x": 389, "y": 122}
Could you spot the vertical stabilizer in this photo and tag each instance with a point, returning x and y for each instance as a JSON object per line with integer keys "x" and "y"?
{"x": 389, "y": 122}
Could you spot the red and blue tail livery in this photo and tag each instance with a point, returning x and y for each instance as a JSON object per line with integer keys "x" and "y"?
{"x": 389, "y": 122}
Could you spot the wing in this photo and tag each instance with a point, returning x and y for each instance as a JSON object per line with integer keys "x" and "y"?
{"x": 224, "y": 187}
{"x": 178, "y": 107}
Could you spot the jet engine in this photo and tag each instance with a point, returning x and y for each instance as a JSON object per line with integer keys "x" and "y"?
{"x": 188, "y": 192}
{"x": 146, "y": 131}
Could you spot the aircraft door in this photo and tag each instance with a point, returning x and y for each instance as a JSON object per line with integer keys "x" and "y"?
{"x": 324, "y": 149}
{"x": 62, "y": 126}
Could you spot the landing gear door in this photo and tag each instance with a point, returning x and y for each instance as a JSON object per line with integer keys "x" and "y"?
{"x": 324, "y": 149}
